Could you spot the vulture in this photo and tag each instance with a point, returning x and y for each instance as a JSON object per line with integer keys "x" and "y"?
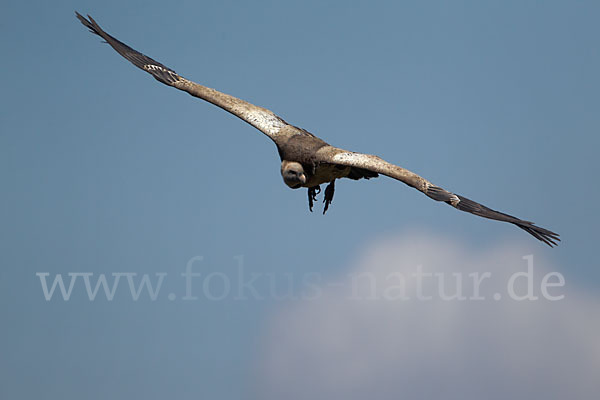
{"x": 306, "y": 160}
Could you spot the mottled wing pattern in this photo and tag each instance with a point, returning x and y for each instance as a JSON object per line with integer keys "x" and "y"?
{"x": 378, "y": 165}
{"x": 261, "y": 118}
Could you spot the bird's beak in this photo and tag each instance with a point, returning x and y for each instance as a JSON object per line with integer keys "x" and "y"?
{"x": 302, "y": 178}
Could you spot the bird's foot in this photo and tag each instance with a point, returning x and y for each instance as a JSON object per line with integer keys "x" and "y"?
{"x": 312, "y": 196}
{"x": 329, "y": 190}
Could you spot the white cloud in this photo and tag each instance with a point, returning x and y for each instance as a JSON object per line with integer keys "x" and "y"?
{"x": 344, "y": 346}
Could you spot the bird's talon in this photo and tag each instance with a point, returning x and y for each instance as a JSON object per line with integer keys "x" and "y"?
{"x": 312, "y": 196}
{"x": 328, "y": 199}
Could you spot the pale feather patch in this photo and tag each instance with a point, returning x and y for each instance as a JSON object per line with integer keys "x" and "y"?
{"x": 361, "y": 160}
{"x": 152, "y": 67}
{"x": 265, "y": 121}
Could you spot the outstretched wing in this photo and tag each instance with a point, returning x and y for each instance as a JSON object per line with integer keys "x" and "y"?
{"x": 260, "y": 118}
{"x": 376, "y": 164}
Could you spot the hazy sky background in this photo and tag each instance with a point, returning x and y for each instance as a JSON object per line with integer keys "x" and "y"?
{"x": 105, "y": 170}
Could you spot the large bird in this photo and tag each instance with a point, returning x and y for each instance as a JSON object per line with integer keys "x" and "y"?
{"x": 306, "y": 160}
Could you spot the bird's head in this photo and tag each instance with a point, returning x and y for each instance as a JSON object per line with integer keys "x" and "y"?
{"x": 293, "y": 174}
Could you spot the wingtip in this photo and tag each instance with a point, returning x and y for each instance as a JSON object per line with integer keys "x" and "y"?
{"x": 92, "y": 19}
{"x": 544, "y": 235}
{"x": 81, "y": 17}
{"x": 90, "y": 24}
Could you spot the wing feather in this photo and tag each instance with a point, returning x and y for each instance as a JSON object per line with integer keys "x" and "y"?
{"x": 261, "y": 118}
{"x": 378, "y": 165}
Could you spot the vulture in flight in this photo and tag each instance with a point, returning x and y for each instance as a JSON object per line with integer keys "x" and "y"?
{"x": 306, "y": 160}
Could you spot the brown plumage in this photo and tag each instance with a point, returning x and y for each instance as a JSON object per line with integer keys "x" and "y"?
{"x": 308, "y": 161}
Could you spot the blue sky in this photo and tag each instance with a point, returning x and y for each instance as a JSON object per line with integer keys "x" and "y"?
{"x": 104, "y": 170}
